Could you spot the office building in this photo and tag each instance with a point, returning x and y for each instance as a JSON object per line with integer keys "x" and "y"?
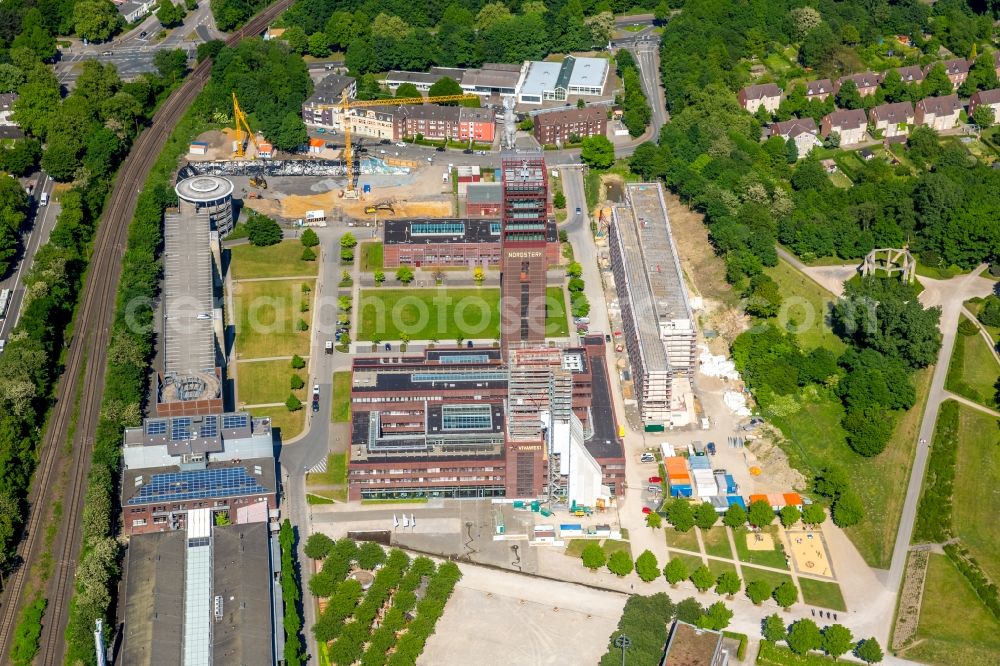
{"x": 452, "y": 242}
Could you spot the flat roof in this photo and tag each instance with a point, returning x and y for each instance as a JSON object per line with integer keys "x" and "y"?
{"x": 201, "y": 189}
{"x": 432, "y": 379}
{"x": 154, "y": 602}
{"x": 541, "y": 77}
{"x": 690, "y": 646}
{"x": 588, "y": 72}
{"x": 241, "y": 575}
{"x": 484, "y": 193}
{"x": 165, "y": 485}
{"x": 188, "y": 294}
{"x": 450, "y": 230}
{"x": 605, "y": 442}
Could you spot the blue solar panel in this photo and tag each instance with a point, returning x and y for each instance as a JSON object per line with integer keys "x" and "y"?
{"x": 210, "y": 427}
{"x": 230, "y": 421}
{"x": 180, "y": 429}
{"x": 464, "y": 358}
{"x": 156, "y": 427}
{"x": 199, "y": 484}
{"x": 482, "y": 376}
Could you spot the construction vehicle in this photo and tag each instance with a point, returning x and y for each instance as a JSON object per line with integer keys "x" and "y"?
{"x": 258, "y": 181}
{"x": 345, "y": 106}
{"x": 242, "y": 125}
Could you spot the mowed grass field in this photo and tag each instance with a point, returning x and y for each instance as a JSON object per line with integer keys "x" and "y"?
{"x": 266, "y": 314}
{"x": 556, "y": 321}
{"x": 973, "y": 369}
{"x": 429, "y": 314}
{"x": 717, "y": 542}
{"x": 822, "y": 594}
{"x": 371, "y": 256}
{"x": 340, "y": 411}
{"x": 289, "y": 423}
{"x": 263, "y": 382}
{"x": 281, "y": 260}
{"x": 975, "y": 499}
{"x": 766, "y": 558}
{"x": 955, "y": 629}
{"x": 807, "y": 304}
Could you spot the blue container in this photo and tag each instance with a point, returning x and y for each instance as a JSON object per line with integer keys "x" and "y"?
{"x": 367, "y": 188}
{"x": 731, "y": 487}
{"x": 736, "y": 499}
{"x": 700, "y": 462}
{"x": 681, "y": 490}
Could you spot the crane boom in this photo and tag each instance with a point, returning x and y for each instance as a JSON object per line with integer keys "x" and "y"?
{"x": 346, "y": 104}
{"x": 242, "y": 124}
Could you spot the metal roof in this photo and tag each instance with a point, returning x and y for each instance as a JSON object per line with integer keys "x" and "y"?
{"x": 588, "y": 72}
{"x": 202, "y": 189}
{"x": 541, "y": 77}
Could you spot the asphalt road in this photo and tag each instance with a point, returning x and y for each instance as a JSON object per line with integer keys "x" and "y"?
{"x": 33, "y": 236}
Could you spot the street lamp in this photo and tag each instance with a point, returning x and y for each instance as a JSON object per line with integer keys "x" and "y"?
{"x": 623, "y": 642}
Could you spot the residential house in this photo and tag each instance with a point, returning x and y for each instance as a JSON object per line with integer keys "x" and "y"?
{"x": 766, "y": 95}
{"x": 850, "y": 124}
{"x": 434, "y": 121}
{"x": 940, "y": 113}
{"x": 803, "y": 132}
{"x": 374, "y": 122}
{"x": 556, "y": 127}
{"x": 957, "y": 70}
{"x": 819, "y": 90}
{"x": 990, "y": 98}
{"x": 320, "y": 108}
{"x": 133, "y": 10}
{"x": 892, "y": 119}
{"x": 867, "y": 82}
{"x": 911, "y": 74}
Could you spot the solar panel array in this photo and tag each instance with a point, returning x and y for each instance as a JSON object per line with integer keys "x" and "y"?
{"x": 180, "y": 429}
{"x": 437, "y": 228}
{"x": 157, "y": 427}
{"x": 210, "y": 427}
{"x": 482, "y": 376}
{"x": 233, "y": 421}
{"x": 447, "y": 359}
{"x": 199, "y": 484}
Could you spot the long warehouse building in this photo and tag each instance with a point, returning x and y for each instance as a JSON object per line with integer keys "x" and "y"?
{"x": 656, "y": 315}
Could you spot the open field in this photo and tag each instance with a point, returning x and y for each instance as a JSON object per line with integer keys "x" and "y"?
{"x": 767, "y": 558}
{"x": 281, "y": 260}
{"x": 683, "y": 540}
{"x": 262, "y": 382}
{"x": 717, "y": 567}
{"x": 266, "y": 314}
{"x": 289, "y": 423}
{"x": 340, "y": 409}
{"x": 717, "y": 542}
{"x": 973, "y": 370}
{"x": 955, "y": 629}
{"x": 975, "y": 501}
{"x": 806, "y": 301}
{"x": 429, "y": 314}
{"x": 823, "y": 594}
{"x": 371, "y": 256}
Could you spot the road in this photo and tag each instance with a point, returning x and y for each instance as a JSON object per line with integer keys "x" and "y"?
{"x": 647, "y": 57}
{"x": 36, "y": 234}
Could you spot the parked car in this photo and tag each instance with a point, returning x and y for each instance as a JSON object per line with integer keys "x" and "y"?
{"x": 647, "y": 458}
{"x": 315, "y": 391}
{"x": 578, "y": 210}
{"x": 646, "y": 509}
{"x": 440, "y": 149}
{"x": 655, "y": 479}
{"x": 401, "y": 144}
{"x": 388, "y": 346}
{"x": 315, "y": 406}
{"x": 607, "y": 337}
{"x": 711, "y": 448}
{"x": 469, "y": 344}
{"x": 654, "y": 489}
{"x": 467, "y": 151}
{"x": 321, "y": 130}
{"x": 385, "y": 142}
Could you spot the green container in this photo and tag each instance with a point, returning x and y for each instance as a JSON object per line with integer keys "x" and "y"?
{"x": 518, "y": 504}
{"x": 546, "y": 513}
{"x": 535, "y": 506}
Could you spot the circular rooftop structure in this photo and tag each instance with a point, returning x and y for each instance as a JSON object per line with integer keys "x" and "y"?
{"x": 204, "y": 190}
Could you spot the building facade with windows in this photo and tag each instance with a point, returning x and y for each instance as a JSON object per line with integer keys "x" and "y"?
{"x": 452, "y": 242}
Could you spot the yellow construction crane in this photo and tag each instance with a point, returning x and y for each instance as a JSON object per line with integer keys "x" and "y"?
{"x": 345, "y": 106}
{"x": 242, "y": 125}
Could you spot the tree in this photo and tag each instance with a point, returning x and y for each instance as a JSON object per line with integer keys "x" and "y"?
{"x": 404, "y": 274}
{"x": 705, "y": 515}
{"x": 773, "y": 628}
{"x": 11, "y": 77}
{"x": 291, "y": 133}
{"x": 679, "y": 515}
{"x": 620, "y": 563}
{"x": 813, "y": 514}
{"x": 263, "y": 231}
{"x": 654, "y": 520}
{"x": 309, "y": 238}
{"x": 318, "y": 546}
{"x": 169, "y": 14}
{"x": 346, "y": 256}
{"x": 318, "y": 45}
{"x": 785, "y": 594}
{"x": 296, "y": 382}
{"x": 728, "y": 583}
{"x": 171, "y": 64}
{"x": 702, "y": 578}
{"x": 937, "y": 83}
{"x": 675, "y": 571}
{"x": 379, "y": 277}
{"x": 491, "y": 15}
{"x": 647, "y": 567}
{"x": 348, "y": 241}
{"x": 831, "y": 482}
{"x": 804, "y": 636}
{"x": 760, "y": 514}
{"x": 21, "y": 156}
{"x": 408, "y": 91}
{"x": 308, "y": 254}
{"x": 597, "y": 152}
{"x": 293, "y": 404}
{"x": 847, "y": 510}
{"x": 983, "y": 116}
{"x": 574, "y": 270}
{"x": 445, "y": 86}
{"x": 575, "y": 285}
{"x": 848, "y": 96}
{"x": 370, "y": 555}
{"x": 96, "y": 20}
{"x": 868, "y": 651}
{"x": 60, "y": 159}
{"x": 789, "y": 515}
{"x": 758, "y": 591}
{"x": 298, "y": 362}
{"x": 35, "y": 37}
{"x": 559, "y": 200}
{"x": 735, "y": 516}
{"x": 716, "y": 617}
{"x": 837, "y": 640}
{"x": 209, "y": 49}
{"x": 818, "y": 46}
{"x": 805, "y": 19}
{"x": 593, "y": 556}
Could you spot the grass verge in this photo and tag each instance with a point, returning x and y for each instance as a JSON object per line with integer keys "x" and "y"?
{"x": 975, "y": 501}
{"x": 372, "y": 256}
{"x": 973, "y": 370}
{"x": 822, "y": 593}
{"x": 281, "y": 260}
{"x": 290, "y": 424}
{"x": 340, "y": 409}
{"x": 266, "y": 316}
{"x": 263, "y": 382}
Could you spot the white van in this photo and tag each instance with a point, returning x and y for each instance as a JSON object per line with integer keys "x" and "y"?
{"x": 45, "y": 199}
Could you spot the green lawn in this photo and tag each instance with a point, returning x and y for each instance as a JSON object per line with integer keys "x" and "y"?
{"x": 371, "y": 256}
{"x": 266, "y": 314}
{"x": 691, "y": 562}
{"x": 683, "y": 540}
{"x": 281, "y": 260}
{"x": 808, "y": 306}
{"x": 772, "y": 578}
{"x": 335, "y": 474}
{"x": 767, "y": 558}
{"x": 262, "y": 382}
{"x": 429, "y": 314}
{"x": 973, "y": 370}
{"x": 975, "y": 499}
{"x": 822, "y": 594}
{"x": 288, "y": 423}
{"x": 717, "y": 542}
{"x": 955, "y": 629}
{"x": 718, "y": 567}
{"x": 556, "y": 322}
{"x": 340, "y": 409}
{"x": 575, "y": 546}
{"x": 840, "y": 179}
{"x": 973, "y": 306}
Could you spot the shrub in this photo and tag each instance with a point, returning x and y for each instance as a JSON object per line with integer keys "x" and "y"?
{"x": 296, "y": 382}
{"x": 301, "y": 325}
{"x": 309, "y": 238}
{"x": 318, "y": 546}
{"x": 968, "y": 328}
{"x": 702, "y": 578}
{"x": 298, "y": 362}
{"x": 293, "y": 404}
{"x": 308, "y": 254}
{"x": 263, "y": 231}
{"x": 370, "y": 555}
{"x": 989, "y": 312}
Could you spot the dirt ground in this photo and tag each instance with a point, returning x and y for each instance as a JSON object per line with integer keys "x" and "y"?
{"x": 760, "y": 541}
{"x": 220, "y": 145}
{"x": 809, "y": 552}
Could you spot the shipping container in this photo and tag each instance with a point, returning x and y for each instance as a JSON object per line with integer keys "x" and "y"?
{"x": 737, "y": 500}
{"x": 681, "y": 490}
{"x": 731, "y": 486}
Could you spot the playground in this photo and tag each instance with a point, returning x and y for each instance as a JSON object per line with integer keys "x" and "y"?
{"x": 809, "y": 552}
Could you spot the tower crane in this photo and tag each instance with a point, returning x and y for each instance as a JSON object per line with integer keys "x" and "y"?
{"x": 345, "y": 106}
{"x": 242, "y": 125}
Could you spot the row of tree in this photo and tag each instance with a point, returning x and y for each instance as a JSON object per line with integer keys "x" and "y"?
{"x": 33, "y": 25}
{"x": 378, "y": 36}
{"x": 804, "y": 636}
{"x": 291, "y": 595}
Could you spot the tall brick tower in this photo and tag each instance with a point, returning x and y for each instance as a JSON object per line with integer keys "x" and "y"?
{"x": 522, "y": 254}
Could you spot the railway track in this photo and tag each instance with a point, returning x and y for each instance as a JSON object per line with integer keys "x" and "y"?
{"x": 89, "y": 354}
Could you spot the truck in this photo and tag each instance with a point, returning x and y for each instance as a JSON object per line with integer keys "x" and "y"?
{"x": 328, "y": 347}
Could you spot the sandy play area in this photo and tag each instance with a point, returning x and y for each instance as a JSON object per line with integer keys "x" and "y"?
{"x": 760, "y": 541}
{"x": 809, "y": 552}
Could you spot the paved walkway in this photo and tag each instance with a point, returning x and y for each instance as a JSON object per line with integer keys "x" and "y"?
{"x": 974, "y": 405}
{"x": 831, "y": 278}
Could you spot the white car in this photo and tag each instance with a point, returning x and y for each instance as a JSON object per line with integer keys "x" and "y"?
{"x": 315, "y": 390}
{"x": 401, "y": 144}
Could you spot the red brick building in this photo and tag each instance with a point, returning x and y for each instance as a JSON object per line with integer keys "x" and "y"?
{"x": 433, "y": 121}
{"x": 557, "y": 127}
{"x": 483, "y": 199}
{"x": 452, "y": 242}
